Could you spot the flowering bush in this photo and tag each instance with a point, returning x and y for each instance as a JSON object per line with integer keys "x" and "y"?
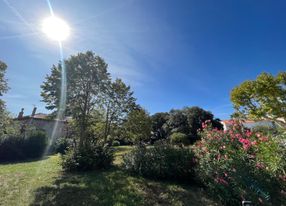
{"x": 238, "y": 164}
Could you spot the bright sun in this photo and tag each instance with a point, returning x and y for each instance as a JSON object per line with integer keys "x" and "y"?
{"x": 56, "y": 28}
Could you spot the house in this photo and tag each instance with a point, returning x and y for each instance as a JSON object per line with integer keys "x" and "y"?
{"x": 43, "y": 122}
{"x": 248, "y": 123}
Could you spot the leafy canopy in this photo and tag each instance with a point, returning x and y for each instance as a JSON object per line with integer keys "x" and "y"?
{"x": 263, "y": 98}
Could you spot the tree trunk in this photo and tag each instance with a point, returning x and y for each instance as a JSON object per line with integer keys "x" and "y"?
{"x": 106, "y": 124}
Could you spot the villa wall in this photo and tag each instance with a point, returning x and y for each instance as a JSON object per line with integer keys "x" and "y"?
{"x": 47, "y": 125}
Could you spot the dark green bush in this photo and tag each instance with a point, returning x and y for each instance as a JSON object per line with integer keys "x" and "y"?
{"x": 163, "y": 161}
{"x": 87, "y": 158}
{"x": 19, "y": 148}
{"x": 115, "y": 143}
{"x": 179, "y": 138}
{"x": 61, "y": 145}
{"x": 35, "y": 144}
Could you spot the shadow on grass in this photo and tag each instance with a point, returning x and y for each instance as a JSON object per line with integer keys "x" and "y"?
{"x": 6, "y": 162}
{"x": 114, "y": 187}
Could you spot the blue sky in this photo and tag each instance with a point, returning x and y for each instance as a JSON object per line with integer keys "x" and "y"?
{"x": 172, "y": 53}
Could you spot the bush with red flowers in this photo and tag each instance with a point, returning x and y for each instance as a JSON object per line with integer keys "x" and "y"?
{"x": 238, "y": 164}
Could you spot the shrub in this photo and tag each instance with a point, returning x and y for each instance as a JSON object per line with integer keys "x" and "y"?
{"x": 235, "y": 166}
{"x": 265, "y": 129}
{"x": 87, "y": 158}
{"x": 61, "y": 145}
{"x": 19, "y": 148}
{"x": 35, "y": 144}
{"x": 115, "y": 143}
{"x": 163, "y": 161}
{"x": 179, "y": 138}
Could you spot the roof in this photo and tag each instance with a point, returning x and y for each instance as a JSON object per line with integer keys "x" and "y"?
{"x": 229, "y": 121}
{"x": 39, "y": 116}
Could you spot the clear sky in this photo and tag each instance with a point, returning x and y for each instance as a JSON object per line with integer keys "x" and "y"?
{"x": 173, "y": 53}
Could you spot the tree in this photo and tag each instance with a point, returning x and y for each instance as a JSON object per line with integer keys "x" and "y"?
{"x": 138, "y": 125}
{"x": 5, "y": 120}
{"x": 196, "y": 116}
{"x": 159, "y": 121}
{"x": 263, "y": 98}
{"x": 188, "y": 120}
{"x": 177, "y": 122}
{"x": 3, "y": 85}
{"x": 87, "y": 79}
{"x": 3, "y": 82}
{"x": 117, "y": 102}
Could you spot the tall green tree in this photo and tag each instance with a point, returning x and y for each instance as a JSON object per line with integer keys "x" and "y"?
{"x": 3, "y": 84}
{"x": 3, "y": 80}
{"x": 4, "y": 119}
{"x": 196, "y": 116}
{"x": 159, "y": 121}
{"x": 188, "y": 120}
{"x": 87, "y": 78}
{"x": 138, "y": 126}
{"x": 263, "y": 98}
{"x": 178, "y": 122}
{"x": 7, "y": 125}
{"x": 117, "y": 102}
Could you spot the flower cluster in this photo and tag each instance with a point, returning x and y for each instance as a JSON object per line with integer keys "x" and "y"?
{"x": 233, "y": 162}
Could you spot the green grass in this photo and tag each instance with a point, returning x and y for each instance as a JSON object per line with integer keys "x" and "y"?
{"x": 43, "y": 183}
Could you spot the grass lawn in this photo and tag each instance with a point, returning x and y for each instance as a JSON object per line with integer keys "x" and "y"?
{"x": 43, "y": 183}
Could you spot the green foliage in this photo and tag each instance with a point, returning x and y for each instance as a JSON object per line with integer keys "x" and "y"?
{"x": 238, "y": 164}
{"x": 14, "y": 148}
{"x": 189, "y": 120}
{"x": 265, "y": 130}
{"x": 3, "y": 81}
{"x": 86, "y": 79}
{"x": 138, "y": 126}
{"x": 162, "y": 161}
{"x": 61, "y": 145}
{"x": 178, "y": 122}
{"x": 263, "y": 98}
{"x": 115, "y": 143}
{"x": 178, "y": 138}
{"x": 272, "y": 154}
{"x": 87, "y": 158}
{"x": 159, "y": 121}
{"x": 35, "y": 144}
{"x": 97, "y": 104}
{"x": 196, "y": 116}
{"x": 6, "y": 125}
{"x": 117, "y": 103}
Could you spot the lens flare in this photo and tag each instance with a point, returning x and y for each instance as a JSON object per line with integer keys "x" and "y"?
{"x": 56, "y": 28}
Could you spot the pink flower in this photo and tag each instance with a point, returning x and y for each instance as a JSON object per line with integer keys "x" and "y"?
{"x": 221, "y": 181}
{"x": 263, "y": 139}
{"x": 246, "y": 143}
{"x": 254, "y": 143}
{"x": 248, "y": 133}
{"x": 260, "y": 165}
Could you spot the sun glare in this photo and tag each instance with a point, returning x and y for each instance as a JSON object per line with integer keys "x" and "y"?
{"x": 56, "y": 28}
